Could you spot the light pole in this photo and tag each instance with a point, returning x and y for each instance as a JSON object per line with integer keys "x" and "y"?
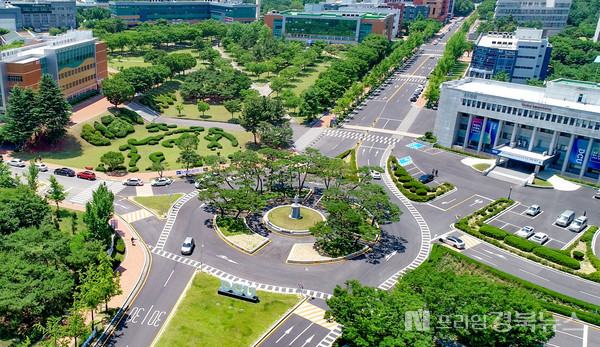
{"x": 509, "y": 191}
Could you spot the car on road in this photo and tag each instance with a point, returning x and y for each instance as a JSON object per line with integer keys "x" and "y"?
{"x": 133, "y": 182}
{"x": 86, "y": 175}
{"x": 597, "y": 195}
{"x": 16, "y": 162}
{"x": 540, "y": 238}
{"x": 526, "y": 232}
{"x": 41, "y": 167}
{"x": 413, "y": 98}
{"x": 578, "y": 224}
{"x": 533, "y": 210}
{"x": 453, "y": 241}
{"x": 376, "y": 175}
{"x": 163, "y": 181}
{"x": 426, "y": 178}
{"x": 188, "y": 246}
{"x": 63, "y": 171}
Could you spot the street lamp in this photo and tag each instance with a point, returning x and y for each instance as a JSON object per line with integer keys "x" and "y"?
{"x": 509, "y": 191}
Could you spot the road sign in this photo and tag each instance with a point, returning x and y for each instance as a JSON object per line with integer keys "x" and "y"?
{"x": 405, "y": 161}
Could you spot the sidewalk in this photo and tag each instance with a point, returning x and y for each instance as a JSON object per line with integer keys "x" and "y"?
{"x": 89, "y": 109}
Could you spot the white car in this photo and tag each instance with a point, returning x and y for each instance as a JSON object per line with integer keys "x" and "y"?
{"x": 376, "y": 175}
{"x": 16, "y": 162}
{"x": 454, "y": 241}
{"x": 526, "y": 232}
{"x": 533, "y": 210}
{"x": 41, "y": 167}
{"x": 133, "y": 182}
{"x": 161, "y": 181}
{"x": 540, "y": 238}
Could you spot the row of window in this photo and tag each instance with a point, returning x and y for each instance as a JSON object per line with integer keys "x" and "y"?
{"x": 15, "y": 78}
{"x": 583, "y": 123}
{"x": 76, "y": 71}
{"x": 79, "y": 81}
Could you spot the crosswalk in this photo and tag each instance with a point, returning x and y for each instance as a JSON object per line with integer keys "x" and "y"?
{"x": 314, "y": 314}
{"x": 416, "y": 79}
{"x": 470, "y": 241}
{"x": 136, "y": 215}
{"x": 357, "y": 135}
{"x": 86, "y": 195}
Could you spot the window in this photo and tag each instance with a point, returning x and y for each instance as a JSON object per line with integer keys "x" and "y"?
{"x": 493, "y": 107}
{"x": 503, "y": 109}
{"x": 581, "y": 98}
{"x": 15, "y": 78}
{"x": 520, "y": 112}
{"x": 509, "y": 110}
{"x": 488, "y": 106}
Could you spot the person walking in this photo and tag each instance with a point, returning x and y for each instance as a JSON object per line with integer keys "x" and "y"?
{"x": 436, "y": 172}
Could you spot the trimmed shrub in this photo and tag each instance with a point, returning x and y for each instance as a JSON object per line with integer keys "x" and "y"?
{"x": 132, "y": 116}
{"x": 100, "y": 168}
{"x": 101, "y": 128}
{"x": 168, "y": 143}
{"x": 172, "y": 126}
{"x": 157, "y": 157}
{"x": 93, "y": 136}
{"x": 120, "y": 245}
{"x": 153, "y": 130}
{"x": 124, "y": 147}
{"x": 404, "y": 178}
{"x": 151, "y": 125}
{"x": 106, "y": 120}
{"x": 133, "y": 169}
{"x": 492, "y": 231}
{"x": 421, "y": 191}
{"x": 120, "y": 128}
{"x": 146, "y": 140}
{"x": 578, "y": 255}
{"x": 556, "y": 257}
{"x": 520, "y": 243}
{"x": 134, "y": 158}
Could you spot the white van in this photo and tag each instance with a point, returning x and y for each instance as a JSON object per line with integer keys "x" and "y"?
{"x": 579, "y": 224}
{"x": 565, "y": 218}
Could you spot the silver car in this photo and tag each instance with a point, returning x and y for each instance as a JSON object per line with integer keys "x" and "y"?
{"x": 41, "y": 167}
{"x": 188, "y": 246}
{"x": 16, "y": 162}
{"x": 161, "y": 181}
{"x": 376, "y": 175}
{"x": 540, "y": 238}
{"x": 454, "y": 241}
{"x": 526, "y": 232}
{"x": 533, "y": 210}
{"x": 133, "y": 182}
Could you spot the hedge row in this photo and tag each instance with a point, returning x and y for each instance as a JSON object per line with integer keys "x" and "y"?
{"x": 492, "y": 231}
{"x": 150, "y": 140}
{"x": 102, "y": 129}
{"x": 168, "y": 143}
{"x": 159, "y": 126}
{"x": 134, "y": 158}
{"x": 520, "y": 243}
{"x": 106, "y": 120}
{"x": 120, "y": 128}
{"x": 157, "y": 157}
{"x": 556, "y": 257}
{"x": 93, "y": 136}
{"x": 412, "y": 188}
{"x": 131, "y": 116}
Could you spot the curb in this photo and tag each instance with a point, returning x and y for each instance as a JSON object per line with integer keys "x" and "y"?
{"x": 239, "y": 248}
{"x": 134, "y": 292}
{"x": 325, "y": 261}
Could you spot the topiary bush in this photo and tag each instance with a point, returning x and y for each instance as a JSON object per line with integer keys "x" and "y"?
{"x": 93, "y": 136}
{"x": 100, "y": 168}
{"x": 157, "y": 157}
{"x": 578, "y": 255}
{"x": 106, "y": 120}
{"x": 421, "y": 191}
{"x": 492, "y": 231}
{"x": 131, "y": 116}
{"x": 133, "y": 169}
{"x": 102, "y": 129}
{"x": 561, "y": 259}
{"x": 134, "y": 157}
{"x": 120, "y": 245}
{"x": 168, "y": 143}
{"x": 120, "y": 128}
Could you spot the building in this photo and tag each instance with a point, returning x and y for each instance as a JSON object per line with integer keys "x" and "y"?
{"x": 438, "y": 9}
{"x": 10, "y": 17}
{"x": 76, "y": 60}
{"x": 412, "y": 11}
{"x": 134, "y": 12}
{"x": 331, "y": 27}
{"x": 535, "y": 128}
{"x": 551, "y": 13}
{"x": 43, "y": 15}
{"x": 523, "y": 55}
{"x": 351, "y": 6}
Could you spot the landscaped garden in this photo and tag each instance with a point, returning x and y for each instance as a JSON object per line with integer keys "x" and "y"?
{"x": 412, "y": 188}
{"x": 159, "y": 204}
{"x": 205, "y": 318}
{"x": 280, "y": 217}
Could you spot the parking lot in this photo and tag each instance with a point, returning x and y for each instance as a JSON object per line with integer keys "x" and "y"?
{"x": 515, "y": 218}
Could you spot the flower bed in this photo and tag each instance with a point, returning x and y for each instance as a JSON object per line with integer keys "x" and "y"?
{"x": 238, "y": 234}
{"x": 412, "y": 188}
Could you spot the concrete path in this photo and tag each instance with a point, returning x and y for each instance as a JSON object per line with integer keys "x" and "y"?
{"x": 264, "y": 90}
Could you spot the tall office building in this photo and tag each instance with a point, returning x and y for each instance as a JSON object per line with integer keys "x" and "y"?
{"x": 76, "y": 60}
{"x": 10, "y": 17}
{"x": 438, "y": 9}
{"x": 134, "y": 12}
{"x": 523, "y": 55}
{"x": 43, "y": 15}
{"x": 552, "y": 14}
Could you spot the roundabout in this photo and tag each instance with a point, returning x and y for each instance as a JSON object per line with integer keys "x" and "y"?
{"x": 280, "y": 218}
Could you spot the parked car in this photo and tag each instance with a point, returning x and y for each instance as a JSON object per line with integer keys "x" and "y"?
{"x": 526, "y": 232}
{"x": 16, "y": 162}
{"x": 188, "y": 246}
{"x": 376, "y": 175}
{"x": 63, "y": 171}
{"x": 579, "y": 224}
{"x": 453, "y": 241}
{"x": 86, "y": 175}
{"x": 133, "y": 182}
{"x": 565, "y": 218}
{"x": 533, "y": 210}
{"x": 597, "y": 195}
{"x": 426, "y": 178}
{"x": 41, "y": 167}
{"x": 540, "y": 238}
{"x": 161, "y": 181}
{"x": 413, "y": 98}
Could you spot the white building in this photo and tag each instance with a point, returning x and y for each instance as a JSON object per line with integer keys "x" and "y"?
{"x": 536, "y": 128}
{"x": 552, "y": 13}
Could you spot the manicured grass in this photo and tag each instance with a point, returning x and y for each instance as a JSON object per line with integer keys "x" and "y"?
{"x": 481, "y": 167}
{"x": 280, "y": 217}
{"x": 126, "y": 63}
{"x": 231, "y": 227}
{"x": 65, "y": 222}
{"x": 130, "y": 59}
{"x": 458, "y": 70}
{"x": 307, "y": 77}
{"x": 75, "y": 152}
{"x": 160, "y": 204}
{"x": 216, "y": 113}
{"x": 541, "y": 182}
{"x": 205, "y": 318}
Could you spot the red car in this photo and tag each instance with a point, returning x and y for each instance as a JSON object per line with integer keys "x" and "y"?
{"x": 86, "y": 175}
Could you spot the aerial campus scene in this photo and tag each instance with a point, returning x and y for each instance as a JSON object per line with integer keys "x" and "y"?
{"x": 300, "y": 173}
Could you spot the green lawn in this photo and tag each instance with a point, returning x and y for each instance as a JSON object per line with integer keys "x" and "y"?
{"x": 160, "y": 204}
{"x": 458, "y": 70}
{"x": 205, "y": 318}
{"x": 307, "y": 77}
{"x": 481, "y": 166}
{"x": 541, "y": 182}
{"x": 65, "y": 222}
{"x": 75, "y": 152}
{"x": 280, "y": 217}
{"x": 130, "y": 59}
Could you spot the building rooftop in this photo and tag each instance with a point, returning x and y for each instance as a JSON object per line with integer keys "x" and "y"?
{"x": 525, "y": 93}
{"x": 179, "y": 3}
{"x": 335, "y": 14}
{"x": 509, "y": 40}
{"x": 36, "y": 47}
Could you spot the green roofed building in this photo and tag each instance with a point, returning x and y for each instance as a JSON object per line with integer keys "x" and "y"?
{"x": 331, "y": 27}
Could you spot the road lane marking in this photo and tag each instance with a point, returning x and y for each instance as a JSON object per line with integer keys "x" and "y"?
{"x": 585, "y": 335}
{"x": 595, "y": 296}
{"x": 146, "y": 316}
{"x": 285, "y": 333}
{"x": 412, "y": 74}
{"x": 294, "y": 340}
{"x": 314, "y": 314}
{"x": 169, "y": 278}
{"x": 527, "y": 272}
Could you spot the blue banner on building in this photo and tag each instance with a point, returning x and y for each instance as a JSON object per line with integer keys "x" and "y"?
{"x": 475, "y": 133}
{"x": 491, "y": 130}
{"x": 578, "y": 152}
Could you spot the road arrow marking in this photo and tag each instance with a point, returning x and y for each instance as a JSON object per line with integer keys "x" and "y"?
{"x": 294, "y": 340}
{"x": 308, "y": 340}
{"x": 476, "y": 202}
{"x": 447, "y": 202}
{"x": 285, "y": 333}
{"x": 387, "y": 257}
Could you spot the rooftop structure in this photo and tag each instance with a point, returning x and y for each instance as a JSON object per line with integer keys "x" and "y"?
{"x": 551, "y": 13}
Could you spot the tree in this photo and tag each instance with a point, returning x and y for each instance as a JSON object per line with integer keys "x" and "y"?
{"x": 278, "y": 83}
{"x": 90, "y": 294}
{"x": 159, "y": 167}
{"x": 21, "y": 123}
{"x": 261, "y": 109}
{"x": 107, "y": 280}
{"x": 275, "y": 136}
{"x": 20, "y": 207}
{"x": 374, "y": 199}
{"x": 113, "y": 160}
{"x": 31, "y": 175}
{"x": 535, "y": 82}
{"x": 233, "y": 106}
{"x": 98, "y": 212}
{"x": 117, "y": 90}
{"x": 462, "y": 8}
{"x": 75, "y": 326}
{"x": 188, "y": 144}
{"x": 203, "y": 106}
{"x": 52, "y": 110}
{"x": 56, "y": 193}
{"x": 291, "y": 100}
{"x": 501, "y": 76}
{"x": 179, "y": 108}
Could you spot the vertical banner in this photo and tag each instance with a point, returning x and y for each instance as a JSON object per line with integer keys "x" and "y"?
{"x": 491, "y": 130}
{"x": 594, "y": 161}
{"x": 578, "y": 152}
{"x": 475, "y": 133}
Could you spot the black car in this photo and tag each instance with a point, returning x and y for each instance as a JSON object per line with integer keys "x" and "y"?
{"x": 64, "y": 172}
{"x": 413, "y": 98}
{"x": 426, "y": 178}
